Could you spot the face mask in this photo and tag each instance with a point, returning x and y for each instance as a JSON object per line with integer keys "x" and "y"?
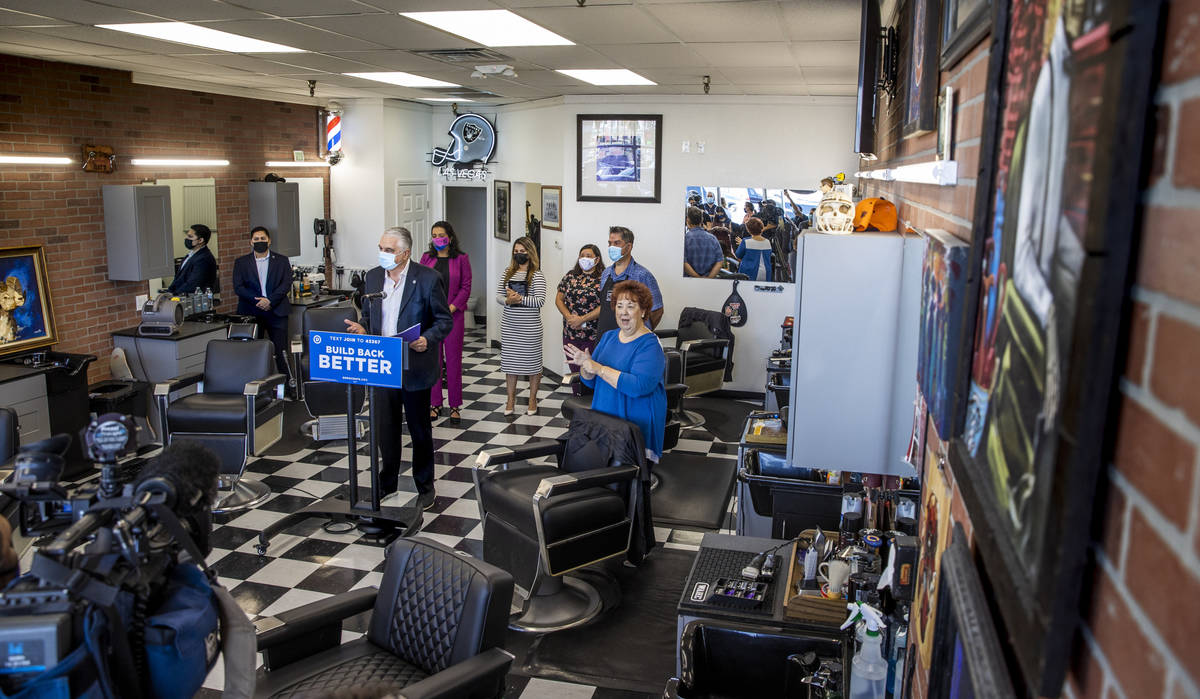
{"x": 441, "y": 242}
{"x": 614, "y": 253}
{"x": 261, "y": 247}
{"x": 189, "y": 243}
{"x": 712, "y": 201}
{"x": 387, "y": 260}
{"x": 521, "y": 258}
{"x": 586, "y": 263}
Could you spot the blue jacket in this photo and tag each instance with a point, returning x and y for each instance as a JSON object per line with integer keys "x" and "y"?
{"x": 247, "y": 287}
{"x": 198, "y": 274}
{"x": 751, "y": 259}
{"x": 424, "y": 302}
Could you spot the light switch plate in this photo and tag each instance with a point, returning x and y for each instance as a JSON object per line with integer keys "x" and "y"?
{"x": 687, "y": 146}
{"x": 141, "y": 300}
{"x": 700, "y": 147}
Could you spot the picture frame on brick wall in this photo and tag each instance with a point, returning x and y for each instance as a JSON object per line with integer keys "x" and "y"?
{"x": 920, "y": 105}
{"x": 26, "y": 309}
{"x": 964, "y": 24}
{"x": 1054, "y": 227}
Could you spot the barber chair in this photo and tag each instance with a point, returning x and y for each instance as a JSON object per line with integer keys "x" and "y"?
{"x": 542, "y": 522}
{"x": 704, "y": 360}
{"x": 437, "y": 622}
{"x": 728, "y": 660}
{"x": 10, "y": 442}
{"x": 237, "y": 412}
{"x": 325, "y": 402}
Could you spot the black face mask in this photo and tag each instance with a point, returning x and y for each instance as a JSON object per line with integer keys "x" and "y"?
{"x": 261, "y": 247}
{"x": 521, "y": 258}
{"x": 189, "y": 243}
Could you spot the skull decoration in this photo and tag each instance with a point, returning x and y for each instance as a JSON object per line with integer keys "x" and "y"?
{"x": 835, "y": 213}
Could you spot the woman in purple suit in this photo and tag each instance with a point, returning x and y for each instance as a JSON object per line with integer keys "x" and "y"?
{"x": 454, "y": 266}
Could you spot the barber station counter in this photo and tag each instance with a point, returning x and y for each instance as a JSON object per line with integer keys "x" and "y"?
{"x": 23, "y": 388}
{"x": 157, "y": 359}
{"x": 299, "y": 305}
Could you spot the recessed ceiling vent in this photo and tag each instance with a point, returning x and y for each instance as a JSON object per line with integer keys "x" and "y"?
{"x": 464, "y": 55}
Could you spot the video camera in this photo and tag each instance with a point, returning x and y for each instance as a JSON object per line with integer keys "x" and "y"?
{"x": 109, "y": 557}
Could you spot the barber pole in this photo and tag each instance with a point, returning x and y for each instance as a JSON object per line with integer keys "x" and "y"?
{"x": 333, "y": 133}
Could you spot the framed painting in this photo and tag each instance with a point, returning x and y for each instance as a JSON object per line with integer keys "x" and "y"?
{"x": 920, "y": 105}
{"x": 503, "y": 205}
{"x": 1054, "y": 230}
{"x": 618, "y": 157}
{"x": 941, "y": 369}
{"x": 552, "y": 208}
{"x": 966, "y": 648}
{"x": 26, "y": 310}
{"x": 964, "y": 24}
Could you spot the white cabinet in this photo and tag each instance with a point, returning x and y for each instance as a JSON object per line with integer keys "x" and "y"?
{"x": 276, "y": 207}
{"x": 137, "y": 230}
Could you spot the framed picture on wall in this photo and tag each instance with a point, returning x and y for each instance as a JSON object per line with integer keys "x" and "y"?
{"x": 920, "y": 106}
{"x": 26, "y": 310}
{"x": 1055, "y": 224}
{"x": 964, "y": 24}
{"x": 552, "y": 208}
{"x": 502, "y": 207}
{"x": 619, "y": 157}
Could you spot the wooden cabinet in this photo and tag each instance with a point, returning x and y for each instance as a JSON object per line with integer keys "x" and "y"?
{"x": 137, "y": 229}
{"x": 276, "y": 206}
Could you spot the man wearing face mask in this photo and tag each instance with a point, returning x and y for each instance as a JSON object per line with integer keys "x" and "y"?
{"x": 414, "y": 295}
{"x": 262, "y": 281}
{"x": 620, "y": 251}
{"x": 199, "y": 269}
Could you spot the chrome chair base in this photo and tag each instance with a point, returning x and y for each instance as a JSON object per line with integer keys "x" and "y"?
{"x": 246, "y": 493}
{"x": 561, "y": 602}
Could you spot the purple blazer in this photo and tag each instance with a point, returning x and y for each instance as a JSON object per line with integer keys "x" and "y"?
{"x": 459, "y": 289}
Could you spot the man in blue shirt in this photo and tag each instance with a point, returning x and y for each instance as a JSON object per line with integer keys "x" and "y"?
{"x": 702, "y": 256}
{"x": 620, "y": 251}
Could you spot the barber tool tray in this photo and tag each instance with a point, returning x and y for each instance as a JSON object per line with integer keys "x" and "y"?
{"x": 716, "y": 574}
{"x": 765, "y": 428}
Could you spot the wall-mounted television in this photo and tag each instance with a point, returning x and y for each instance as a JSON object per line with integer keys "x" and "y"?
{"x": 868, "y": 70}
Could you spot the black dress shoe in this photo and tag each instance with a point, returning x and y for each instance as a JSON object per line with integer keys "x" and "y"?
{"x": 426, "y": 500}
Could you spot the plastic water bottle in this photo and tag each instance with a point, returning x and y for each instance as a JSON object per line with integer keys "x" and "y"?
{"x": 208, "y": 298}
{"x": 868, "y": 671}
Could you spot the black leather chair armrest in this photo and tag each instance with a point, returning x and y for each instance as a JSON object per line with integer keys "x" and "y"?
{"x": 165, "y": 388}
{"x": 521, "y": 452}
{"x": 480, "y": 675}
{"x": 580, "y": 480}
{"x": 260, "y": 388}
{"x": 667, "y": 332}
{"x": 704, "y": 345}
{"x": 306, "y": 619}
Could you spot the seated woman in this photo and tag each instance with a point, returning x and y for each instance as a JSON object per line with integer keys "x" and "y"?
{"x": 626, "y": 368}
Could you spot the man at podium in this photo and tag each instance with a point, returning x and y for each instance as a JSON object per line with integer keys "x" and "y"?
{"x": 399, "y": 296}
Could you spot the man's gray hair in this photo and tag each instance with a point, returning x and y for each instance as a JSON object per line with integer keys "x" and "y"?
{"x": 402, "y": 235}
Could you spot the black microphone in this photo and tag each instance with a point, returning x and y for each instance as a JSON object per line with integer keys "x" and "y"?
{"x": 376, "y": 295}
{"x": 184, "y": 478}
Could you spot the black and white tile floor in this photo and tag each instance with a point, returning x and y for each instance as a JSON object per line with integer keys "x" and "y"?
{"x": 307, "y": 563}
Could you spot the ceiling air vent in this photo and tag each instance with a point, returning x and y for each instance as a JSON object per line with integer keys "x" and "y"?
{"x": 464, "y": 55}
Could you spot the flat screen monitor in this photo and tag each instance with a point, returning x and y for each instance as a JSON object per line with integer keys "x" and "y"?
{"x": 868, "y": 59}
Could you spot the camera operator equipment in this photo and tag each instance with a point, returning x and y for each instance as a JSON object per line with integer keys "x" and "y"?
{"x": 120, "y": 603}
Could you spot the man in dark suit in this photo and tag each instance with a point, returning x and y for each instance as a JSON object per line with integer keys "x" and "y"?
{"x": 199, "y": 269}
{"x": 262, "y": 281}
{"x": 415, "y": 295}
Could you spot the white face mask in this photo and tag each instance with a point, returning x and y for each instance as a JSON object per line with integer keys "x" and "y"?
{"x": 387, "y": 260}
{"x": 586, "y": 263}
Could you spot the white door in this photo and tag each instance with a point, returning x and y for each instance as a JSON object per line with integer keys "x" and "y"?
{"x": 412, "y": 212}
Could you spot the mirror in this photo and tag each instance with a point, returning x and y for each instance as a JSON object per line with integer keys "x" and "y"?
{"x": 193, "y": 200}
{"x": 724, "y": 211}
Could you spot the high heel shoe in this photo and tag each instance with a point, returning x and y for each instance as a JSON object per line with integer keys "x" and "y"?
{"x": 532, "y": 411}
{"x": 455, "y": 417}
{"x": 508, "y": 410}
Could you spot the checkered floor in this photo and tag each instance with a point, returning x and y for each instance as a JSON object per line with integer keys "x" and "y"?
{"x": 308, "y": 563}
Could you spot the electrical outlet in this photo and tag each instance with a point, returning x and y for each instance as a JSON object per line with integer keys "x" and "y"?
{"x": 141, "y": 300}
{"x": 700, "y": 147}
{"x": 687, "y": 146}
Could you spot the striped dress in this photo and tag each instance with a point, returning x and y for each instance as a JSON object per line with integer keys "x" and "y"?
{"x": 521, "y": 326}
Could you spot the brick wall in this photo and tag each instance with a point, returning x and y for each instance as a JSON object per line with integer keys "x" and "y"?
{"x": 1141, "y": 630}
{"x": 54, "y": 108}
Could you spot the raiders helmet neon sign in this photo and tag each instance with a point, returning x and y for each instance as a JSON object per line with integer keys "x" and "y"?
{"x": 474, "y": 140}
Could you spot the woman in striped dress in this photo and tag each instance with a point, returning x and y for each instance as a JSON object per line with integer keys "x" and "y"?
{"x": 521, "y": 294}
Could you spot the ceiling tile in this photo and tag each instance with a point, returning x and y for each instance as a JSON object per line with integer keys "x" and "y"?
{"x": 516, "y": 4}
{"x": 95, "y": 41}
{"x": 632, "y": 56}
{"x": 389, "y": 59}
{"x": 605, "y": 24}
{"x": 305, "y": 8}
{"x": 722, "y": 21}
{"x": 826, "y": 53}
{"x": 765, "y": 54}
{"x": 390, "y": 30}
{"x": 290, "y": 33}
{"x": 10, "y": 18}
{"x": 839, "y": 90}
{"x": 763, "y": 76}
{"x": 187, "y": 10}
{"x": 845, "y": 75}
{"x": 78, "y": 11}
{"x": 821, "y": 20}
{"x": 22, "y": 50}
{"x": 682, "y": 76}
{"x": 555, "y": 57}
{"x": 288, "y": 63}
{"x": 426, "y": 5}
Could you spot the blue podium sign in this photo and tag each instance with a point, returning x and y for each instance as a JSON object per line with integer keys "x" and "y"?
{"x": 365, "y": 360}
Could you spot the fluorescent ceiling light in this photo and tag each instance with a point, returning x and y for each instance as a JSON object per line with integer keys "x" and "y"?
{"x": 193, "y": 35}
{"x": 403, "y": 79}
{"x": 33, "y": 160}
{"x": 445, "y": 99}
{"x": 297, "y": 163}
{"x": 490, "y": 27}
{"x": 617, "y": 76}
{"x": 184, "y": 162}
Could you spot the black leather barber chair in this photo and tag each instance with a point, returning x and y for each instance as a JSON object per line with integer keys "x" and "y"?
{"x": 705, "y": 361}
{"x": 10, "y": 442}
{"x": 542, "y": 522}
{"x": 727, "y": 660}
{"x": 436, "y": 627}
{"x": 325, "y": 401}
{"x": 237, "y": 412}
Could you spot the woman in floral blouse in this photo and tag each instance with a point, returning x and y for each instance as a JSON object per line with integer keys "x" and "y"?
{"x": 579, "y": 300}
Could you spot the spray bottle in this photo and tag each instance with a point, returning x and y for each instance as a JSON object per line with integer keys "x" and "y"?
{"x": 868, "y": 671}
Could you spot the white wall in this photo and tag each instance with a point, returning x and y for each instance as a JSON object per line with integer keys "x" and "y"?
{"x": 357, "y": 187}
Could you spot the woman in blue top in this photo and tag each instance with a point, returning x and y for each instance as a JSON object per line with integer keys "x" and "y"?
{"x": 755, "y": 253}
{"x": 626, "y": 368}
